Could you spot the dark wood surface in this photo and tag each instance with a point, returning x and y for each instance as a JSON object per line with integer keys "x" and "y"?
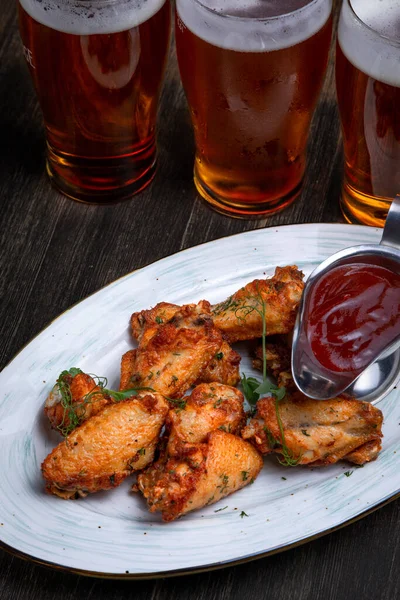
{"x": 54, "y": 252}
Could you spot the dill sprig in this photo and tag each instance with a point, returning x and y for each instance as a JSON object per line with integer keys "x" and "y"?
{"x": 289, "y": 459}
{"x": 253, "y": 388}
{"x": 63, "y": 386}
{"x": 224, "y": 306}
{"x": 178, "y": 404}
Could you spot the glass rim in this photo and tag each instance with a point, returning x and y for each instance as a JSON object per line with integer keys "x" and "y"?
{"x": 387, "y": 38}
{"x": 95, "y": 3}
{"x": 254, "y": 19}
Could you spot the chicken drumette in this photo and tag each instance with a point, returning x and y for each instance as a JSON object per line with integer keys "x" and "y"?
{"x": 224, "y": 365}
{"x": 316, "y": 432}
{"x": 240, "y": 316}
{"x": 174, "y": 355}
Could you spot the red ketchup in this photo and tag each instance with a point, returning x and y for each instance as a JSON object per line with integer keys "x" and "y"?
{"x": 353, "y": 315}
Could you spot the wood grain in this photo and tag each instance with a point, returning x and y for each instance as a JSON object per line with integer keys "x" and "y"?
{"x": 54, "y": 252}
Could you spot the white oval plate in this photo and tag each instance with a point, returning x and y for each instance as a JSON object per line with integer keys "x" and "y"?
{"x": 112, "y": 534}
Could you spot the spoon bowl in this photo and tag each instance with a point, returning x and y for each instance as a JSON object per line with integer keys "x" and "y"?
{"x": 378, "y": 380}
{"x": 382, "y": 373}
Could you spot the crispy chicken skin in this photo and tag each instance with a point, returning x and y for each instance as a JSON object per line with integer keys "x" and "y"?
{"x": 238, "y": 318}
{"x": 196, "y": 475}
{"x": 208, "y": 408}
{"x": 83, "y": 408}
{"x": 224, "y": 366}
{"x": 127, "y": 370}
{"x": 105, "y": 449}
{"x": 171, "y": 356}
{"x": 317, "y": 433}
{"x": 278, "y": 363}
{"x": 365, "y": 453}
{"x": 222, "y": 369}
{"x": 146, "y": 319}
{"x": 200, "y": 462}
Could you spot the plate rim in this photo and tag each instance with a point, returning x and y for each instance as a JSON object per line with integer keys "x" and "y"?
{"x": 196, "y": 570}
{"x": 229, "y": 562}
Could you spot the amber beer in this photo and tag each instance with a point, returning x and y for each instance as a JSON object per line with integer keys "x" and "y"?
{"x": 97, "y": 67}
{"x": 368, "y": 90}
{"x": 252, "y": 72}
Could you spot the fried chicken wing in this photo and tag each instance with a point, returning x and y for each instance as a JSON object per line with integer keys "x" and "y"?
{"x": 223, "y": 367}
{"x": 199, "y": 474}
{"x": 200, "y": 462}
{"x": 105, "y": 449}
{"x": 171, "y": 356}
{"x": 239, "y": 317}
{"x": 315, "y": 432}
{"x": 75, "y": 398}
{"x": 278, "y": 359}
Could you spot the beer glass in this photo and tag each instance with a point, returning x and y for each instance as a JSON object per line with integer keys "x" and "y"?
{"x": 252, "y": 71}
{"x": 368, "y": 91}
{"x": 97, "y": 67}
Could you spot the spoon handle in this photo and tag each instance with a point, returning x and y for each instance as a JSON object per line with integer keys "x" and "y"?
{"x": 391, "y": 232}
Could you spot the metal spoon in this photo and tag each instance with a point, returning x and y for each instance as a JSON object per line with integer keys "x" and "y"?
{"x": 383, "y": 372}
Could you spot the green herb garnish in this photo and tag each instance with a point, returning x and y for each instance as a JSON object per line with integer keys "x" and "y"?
{"x": 74, "y": 412}
{"x": 253, "y": 388}
{"x": 70, "y": 415}
{"x": 223, "y": 307}
{"x": 289, "y": 460}
{"x": 249, "y": 385}
{"x": 178, "y": 404}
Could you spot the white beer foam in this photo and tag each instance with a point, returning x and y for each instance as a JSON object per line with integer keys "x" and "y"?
{"x": 365, "y": 49}
{"x": 254, "y": 25}
{"x": 87, "y": 18}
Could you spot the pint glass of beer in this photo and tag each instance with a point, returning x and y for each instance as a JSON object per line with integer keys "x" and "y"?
{"x": 97, "y": 66}
{"x": 368, "y": 90}
{"x": 252, "y": 71}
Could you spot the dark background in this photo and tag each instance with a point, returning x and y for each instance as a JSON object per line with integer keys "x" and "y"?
{"x": 54, "y": 252}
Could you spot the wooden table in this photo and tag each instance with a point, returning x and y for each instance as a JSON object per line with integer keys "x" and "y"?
{"x": 54, "y": 252}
